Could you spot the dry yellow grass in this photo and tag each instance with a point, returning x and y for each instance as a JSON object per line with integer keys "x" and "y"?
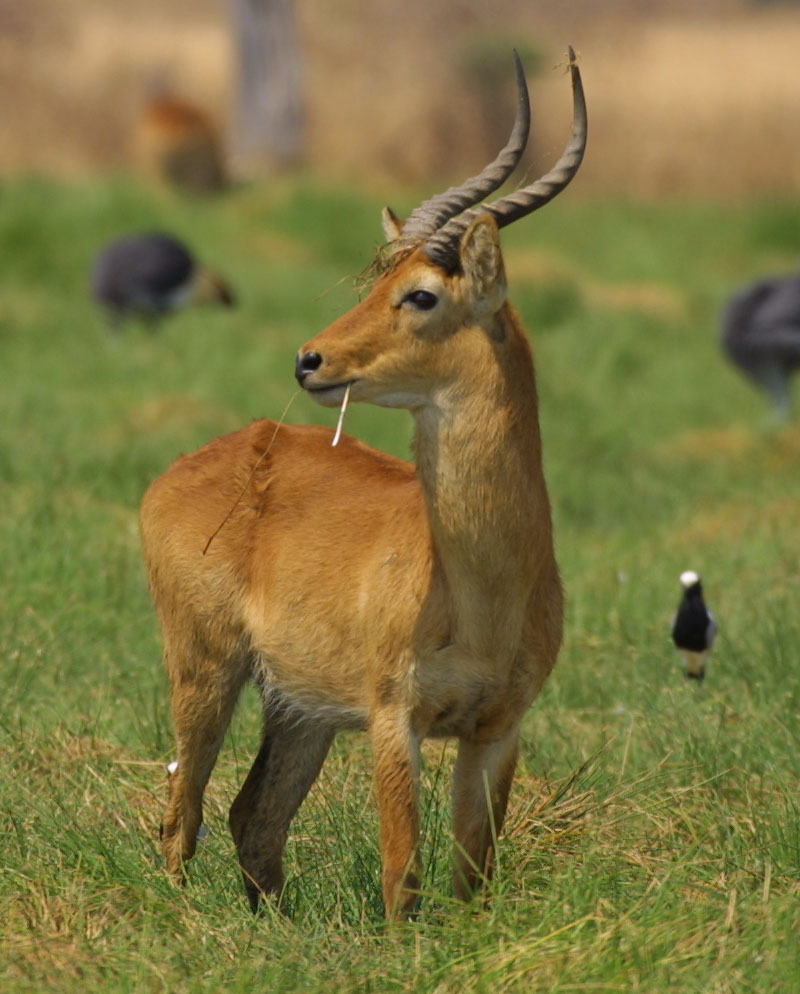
{"x": 701, "y": 105}
{"x": 705, "y": 444}
{"x": 541, "y": 268}
{"x": 682, "y": 99}
{"x": 776, "y": 450}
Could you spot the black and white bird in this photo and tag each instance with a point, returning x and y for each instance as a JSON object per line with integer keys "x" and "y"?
{"x": 150, "y": 275}
{"x": 693, "y": 627}
{"x": 760, "y": 334}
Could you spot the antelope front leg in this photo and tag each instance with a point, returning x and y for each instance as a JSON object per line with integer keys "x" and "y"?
{"x": 396, "y": 756}
{"x": 481, "y": 784}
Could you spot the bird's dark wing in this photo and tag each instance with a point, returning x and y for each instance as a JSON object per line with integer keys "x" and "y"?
{"x": 779, "y": 343}
{"x": 780, "y": 307}
{"x": 161, "y": 264}
{"x": 711, "y": 630}
{"x": 761, "y": 326}
{"x": 741, "y": 310}
{"x": 141, "y": 270}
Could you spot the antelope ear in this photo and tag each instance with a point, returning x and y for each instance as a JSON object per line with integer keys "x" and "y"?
{"x": 482, "y": 262}
{"x": 392, "y": 225}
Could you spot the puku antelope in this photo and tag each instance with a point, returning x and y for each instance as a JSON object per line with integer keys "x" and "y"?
{"x": 361, "y": 591}
{"x": 177, "y": 144}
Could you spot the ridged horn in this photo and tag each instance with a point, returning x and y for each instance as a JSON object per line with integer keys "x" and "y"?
{"x": 441, "y": 247}
{"x": 433, "y": 213}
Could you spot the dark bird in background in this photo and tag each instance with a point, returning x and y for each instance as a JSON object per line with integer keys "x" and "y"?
{"x": 148, "y": 276}
{"x": 761, "y": 335}
{"x": 693, "y": 628}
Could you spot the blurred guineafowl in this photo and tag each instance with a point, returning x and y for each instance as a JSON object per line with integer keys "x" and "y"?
{"x": 761, "y": 335}
{"x": 693, "y": 627}
{"x": 148, "y": 276}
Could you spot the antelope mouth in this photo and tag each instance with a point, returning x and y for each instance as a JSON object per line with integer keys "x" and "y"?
{"x": 329, "y": 393}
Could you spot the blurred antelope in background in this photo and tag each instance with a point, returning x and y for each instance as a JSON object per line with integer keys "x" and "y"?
{"x": 176, "y": 143}
{"x": 361, "y": 591}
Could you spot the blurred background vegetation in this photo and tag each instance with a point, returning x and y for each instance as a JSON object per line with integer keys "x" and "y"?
{"x": 686, "y": 97}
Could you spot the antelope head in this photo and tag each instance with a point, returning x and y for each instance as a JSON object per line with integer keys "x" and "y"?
{"x": 442, "y": 279}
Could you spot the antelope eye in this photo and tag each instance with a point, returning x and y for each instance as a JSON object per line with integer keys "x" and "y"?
{"x": 423, "y": 300}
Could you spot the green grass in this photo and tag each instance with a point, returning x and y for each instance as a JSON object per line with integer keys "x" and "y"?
{"x": 653, "y": 841}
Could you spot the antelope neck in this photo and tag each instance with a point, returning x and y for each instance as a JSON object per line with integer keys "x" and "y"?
{"x": 479, "y": 464}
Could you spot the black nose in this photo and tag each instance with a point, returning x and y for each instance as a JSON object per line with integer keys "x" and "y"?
{"x": 305, "y": 363}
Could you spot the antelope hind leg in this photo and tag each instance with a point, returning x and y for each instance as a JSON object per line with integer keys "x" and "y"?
{"x": 291, "y": 755}
{"x": 204, "y": 694}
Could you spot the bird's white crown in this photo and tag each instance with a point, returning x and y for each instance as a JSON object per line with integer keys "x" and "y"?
{"x": 689, "y": 578}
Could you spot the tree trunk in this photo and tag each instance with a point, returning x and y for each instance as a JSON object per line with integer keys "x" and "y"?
{"x": 270, "y": 118}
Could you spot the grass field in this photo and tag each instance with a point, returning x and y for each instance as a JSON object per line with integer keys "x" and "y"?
{"x": 653, "y": 841}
